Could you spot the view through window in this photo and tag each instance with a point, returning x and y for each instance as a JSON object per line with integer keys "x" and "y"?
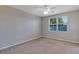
{"x": 58, "y": 23}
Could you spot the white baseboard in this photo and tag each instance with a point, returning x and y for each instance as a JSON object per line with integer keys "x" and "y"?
{"x": 18, "y": 43}
{"x": 63, "y": 40}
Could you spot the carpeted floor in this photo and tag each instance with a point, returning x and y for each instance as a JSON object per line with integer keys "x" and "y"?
{"x": 43, "y": 46}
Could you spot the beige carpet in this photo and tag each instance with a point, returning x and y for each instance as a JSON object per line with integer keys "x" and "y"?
{"x": 43, "y": 46}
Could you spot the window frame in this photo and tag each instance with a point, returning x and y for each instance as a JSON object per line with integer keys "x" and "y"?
{"x": 56, "y": 25}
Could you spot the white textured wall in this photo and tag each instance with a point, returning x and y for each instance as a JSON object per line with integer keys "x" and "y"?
{"x": 71, "y": 35}
{"x": 17, "y": 26}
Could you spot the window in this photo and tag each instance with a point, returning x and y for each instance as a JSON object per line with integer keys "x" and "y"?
{"x": 53, "y": 25}
{"x": 58, "y": 24}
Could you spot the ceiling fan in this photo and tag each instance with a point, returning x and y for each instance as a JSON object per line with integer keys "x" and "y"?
{"x": 47, "y": 9}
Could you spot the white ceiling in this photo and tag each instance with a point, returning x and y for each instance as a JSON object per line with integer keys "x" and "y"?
{"x": 36, "y": 10}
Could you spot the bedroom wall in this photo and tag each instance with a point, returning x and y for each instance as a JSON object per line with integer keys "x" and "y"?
{"x": 72, "y": 35}
{"x": 17, "y": 26}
